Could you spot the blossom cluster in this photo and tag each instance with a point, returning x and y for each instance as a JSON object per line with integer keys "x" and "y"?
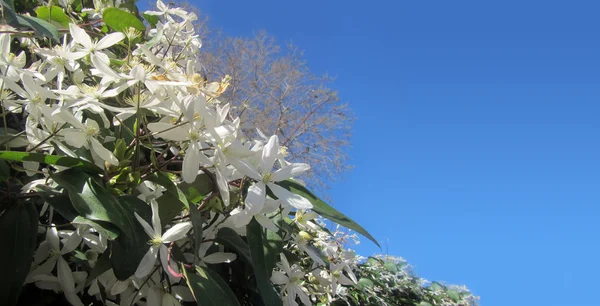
{"x": 146, "y": 189}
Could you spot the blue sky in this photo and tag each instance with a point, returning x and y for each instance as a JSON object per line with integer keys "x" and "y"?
{"x": 476, "y": 145}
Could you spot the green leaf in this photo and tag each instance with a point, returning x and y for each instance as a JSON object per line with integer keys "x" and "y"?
{"x": 424, "y": 304}
{"x": 130, "y": 247}
{"x": 197, "y": 190}
{"x": 9, "y": 13}
{"x": 152, "y": 19}
{"x": 392, "y": 267}
{"x": 261, "y": 264}
{"x": 101, "y": 266}
{"x": 59, "y": 201}
{"x": 209, "y": 289}
{"x": 4, "y": 171}
{"x": 108, "y": 230}
{"x": 173, "y": 201}
{"x": 325, "y": 210}
{"x": 63, "y": 161}
{"x": 230, "y": 238}
{"x": 365, "y": 283}
{"x": 18, "y": 225}
{"x": 120, "y": 20}
{"x": 53, "y": 13}
{"x": 39, "y": 26}
{"x": 197, "y": 221}
{"x": 95, "y": 203}
{"x": 454, "y": 295}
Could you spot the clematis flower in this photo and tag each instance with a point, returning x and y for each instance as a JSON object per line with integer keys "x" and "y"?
{"x": 157, "y": 243}
{"x": 255, "y": 199}
{"x": 89, "y": 46}
{"x": 291, "y": 279}
{"x": 84, "y": 135}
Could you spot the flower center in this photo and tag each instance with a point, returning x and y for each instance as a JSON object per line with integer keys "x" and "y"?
{"x": 266, "y": 177}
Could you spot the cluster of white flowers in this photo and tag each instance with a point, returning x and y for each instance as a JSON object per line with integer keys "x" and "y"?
{"x": 80, "y": 97}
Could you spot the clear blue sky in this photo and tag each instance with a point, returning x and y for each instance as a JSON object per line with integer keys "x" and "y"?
{"x": 476, "y": 145}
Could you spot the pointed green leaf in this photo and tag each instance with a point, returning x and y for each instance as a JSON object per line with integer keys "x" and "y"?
{"x": 39, "y": 26}
{"x": 94, "y": 202}
{"x": 53, "y": 13}
{"x": 260, "y": 263}
{"x": 152, "y": 19}
{"x": 63, "y": 161}
{"x": 325, "y": 210}
{"x": 4, "y": 171}
{"x": 209, "y": 289}
{"x": 59, "y": 201}
{"x": 197, "y": 221}
{"x": 18, "y": 225}
{"x": 230, "y": 238}
{"x": 120, "y": 20}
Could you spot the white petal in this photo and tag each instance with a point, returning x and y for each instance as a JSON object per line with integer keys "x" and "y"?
{"x": 223, "y": 186}
{"x": 269, "y": 154}
{"x": 80, "y": 36}
{"x": 65, "y": 277}
{"x": 147, "y": 263}
{"x": 109, "y": 40}
{"x": 289, "y": 171}
{"x": 285, "y": 264}
{"x": 219, "y": 257}
{"x": 74, "y": 138}
{"x": 73, "y": 298}
{"x": 72, "y": 242}
{"x": 177, "y": 134}
{"x": 255, "y": 199}
{"x": 191, "y": 162}
{"x": 278, "y": 278}
{"x": 245, "y": 168}
{"x": 30, "y": 167}
{"x": 156, "y": 218}
{"x": 104, "y": 153}
{"x": 266, "y": 222}
{"x": 147, "y": 228}
{"x": 176, "y": 232}
{"x": 52, "y": 238}
{"x": 303, "y": 296}
{"x": 292, "y": 199}
{"x": 104, "y": 67}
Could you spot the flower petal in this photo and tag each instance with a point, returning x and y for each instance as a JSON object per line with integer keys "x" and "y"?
{"x": 191, "y": 161}
{"x": 104, "y": 153}
{"x": 269, "y": 154}
{"x": 177, "y": 232}
{"x": 156, "y": 218}
{"x": 80, "y": 36}
{"x": 292, "y": 199}
{"x": 109, "y": 40}
{"x": 147, "y": 263}
{"x": 289, "y": 171}
{"x": 65, "y": 276}
{"x": 255, "y": 199}
{"x": 219, "y": 257}
{"x": 147, "y": 228}
{"x": 278, "y": 278}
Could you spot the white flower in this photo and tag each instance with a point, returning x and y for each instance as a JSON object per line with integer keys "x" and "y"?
{"x": 291, "y": 279}
{"x": 255, "y": 199}
{"x": 158, "y": 240}
{"x": 89, "y": 46}
{"x": 84, "y": 135}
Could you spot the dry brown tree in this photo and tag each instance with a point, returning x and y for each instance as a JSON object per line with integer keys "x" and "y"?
{"x": 272, "y": 88}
